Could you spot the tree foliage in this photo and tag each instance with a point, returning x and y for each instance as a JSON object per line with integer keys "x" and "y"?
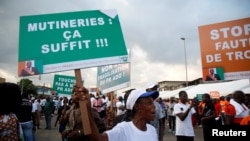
{"x": 27, "y": 86}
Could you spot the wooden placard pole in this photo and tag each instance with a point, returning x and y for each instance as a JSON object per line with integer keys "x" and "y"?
{"x": 111, "y": 110}
{"x": 109, "y": 119}
{"x": 112, "y": 102}
{"x": 83, "y": 106}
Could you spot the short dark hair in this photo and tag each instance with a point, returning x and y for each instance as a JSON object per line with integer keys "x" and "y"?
{"x": 127, "y": 93}
{"x": 228, "y": 98}
{"x": 182, "y": 92}
{"x": 222, "y": 98}
{"x": 10, "y": 99}
{"x": 207, "y": 96}
{"x": 238, "y": 95}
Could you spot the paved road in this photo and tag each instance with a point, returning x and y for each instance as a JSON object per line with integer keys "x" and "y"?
{"x": 54, "y": 135}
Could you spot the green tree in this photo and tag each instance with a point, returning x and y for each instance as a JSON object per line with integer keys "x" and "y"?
{"x": 27, "y": 86}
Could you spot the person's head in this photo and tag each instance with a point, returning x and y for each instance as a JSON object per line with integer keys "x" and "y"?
{"x": 152, "y": 86}
{"x": 120, "y": 98}
{"x": 10, "y": 99}
{"x": 195, "y": 99}
{"x": 172, "y": 99}
{"x": 33, "y": 99}
{"x": 48, "y": 98}
{"x": 160, "y": 100}
{"x": 167, "y": 100}
{"x": 141, "y": 103}
{"x": 228, "y": 98}
{"x": 28, "y": 64}
{"x": 215, "y": 100}
{"x": 71, "y": 102}
{"x": 211, "y": 71}
{"x": 222, "y": 98}
{"x": 183, "y": 97}
{"x": 239, "y": 96}
{"x": 61, "y": 98}
{"x": 126, "y": 95}
{"x": 76, "y": 96}
{"x": 206, "y": 98}
{"x": 91, "y": 95}
{"x": 65, "y": 100}
{"x": 103, "y": 97}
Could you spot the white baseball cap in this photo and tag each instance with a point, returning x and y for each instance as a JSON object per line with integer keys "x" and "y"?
{"x": 139, "y": 93}
{"x": 152, "y": 84}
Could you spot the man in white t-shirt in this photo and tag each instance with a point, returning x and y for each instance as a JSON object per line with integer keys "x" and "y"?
{"x": 183, "y": 111}
{"x": 120, "y": 106}
{"x": 35, "y": 112}
{"x": 104, "y": 107}
{"x": 42, "y": 103}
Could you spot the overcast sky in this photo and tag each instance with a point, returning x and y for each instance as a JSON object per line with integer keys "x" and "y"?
{"x": 151, "y": 29}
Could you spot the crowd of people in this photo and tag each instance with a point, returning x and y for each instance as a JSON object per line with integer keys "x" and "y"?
{"x": 20, "y": 113}
{"x": 141, "y": 114}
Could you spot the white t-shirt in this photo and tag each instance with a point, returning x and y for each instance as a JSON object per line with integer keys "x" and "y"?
{"x": 34, "y": 107}
{"x": 39, "y": 108}
{"x": 104, "y": 101}
{"x": 119, "y": 111}
{"x": 42, "y": 103}
{"x": 127, "y": 131}
{"x": 185, "y": 127}
{"x": 241, "y": 109}
{"x": 92, "y": 101}
{"x": 108, "y": 104}
{"x": 55, "y": 102}
{"x": 170, "y": 110}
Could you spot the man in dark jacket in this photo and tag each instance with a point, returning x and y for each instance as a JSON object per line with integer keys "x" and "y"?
{"x": 48, "y": 110}
{"x": 27, "y": 118}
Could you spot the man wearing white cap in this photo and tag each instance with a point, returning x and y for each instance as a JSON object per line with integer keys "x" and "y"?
{"x": 141, "y": 106}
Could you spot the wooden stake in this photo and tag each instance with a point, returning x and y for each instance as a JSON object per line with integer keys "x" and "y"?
{"x": 111, "y": 113}
{"x": 111, "y": 100}
{"x": 83, "y": 106}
